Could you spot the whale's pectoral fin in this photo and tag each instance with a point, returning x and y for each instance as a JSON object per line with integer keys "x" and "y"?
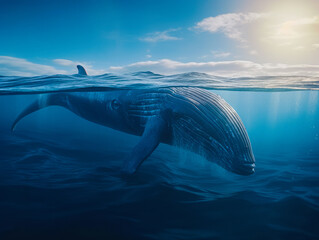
{"x": 151, "y": 138}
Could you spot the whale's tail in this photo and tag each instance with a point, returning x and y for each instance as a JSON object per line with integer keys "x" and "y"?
{"x": 48, "y": 100}
{"x": 43, "y": 102}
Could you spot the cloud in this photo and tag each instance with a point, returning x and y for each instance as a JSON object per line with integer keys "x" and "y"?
{"x": 72, "y": 66}
{"x": 222, "y": 68}
{"x": 274, "y": 34}
{"x": 11, "y": 66}
{"x": 160, "y": 36}
{"x": 299, "y": 34}
{"x": 220, "y": 54}
{"x": 64, "y": 62}
{"x": 229, "y": 24}
{"x": 297, "y": 28}
{"x": 20, "y": 67}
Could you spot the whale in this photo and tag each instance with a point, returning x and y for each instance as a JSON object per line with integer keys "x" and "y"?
{"x": 191, "y": 118}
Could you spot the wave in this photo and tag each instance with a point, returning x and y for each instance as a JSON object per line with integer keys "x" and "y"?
{"x": 42, "y": 163}
{"x": 105, "y": 82}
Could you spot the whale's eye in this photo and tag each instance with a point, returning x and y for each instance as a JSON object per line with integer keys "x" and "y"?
{"x": 115, "y": 104}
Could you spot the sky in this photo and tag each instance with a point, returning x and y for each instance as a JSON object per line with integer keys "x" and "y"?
{"x": 227, "y": 38}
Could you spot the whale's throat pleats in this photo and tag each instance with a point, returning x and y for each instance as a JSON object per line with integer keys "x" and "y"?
{"x": 147, "y": 105}
{"x": 207, "y": 124}
{"x": 187, "y": 134}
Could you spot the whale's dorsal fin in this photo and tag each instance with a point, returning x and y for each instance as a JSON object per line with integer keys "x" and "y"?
{"x": 151, "y": 138}
{"x": 81, "y": 70}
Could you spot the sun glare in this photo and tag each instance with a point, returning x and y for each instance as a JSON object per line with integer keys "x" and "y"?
{"x": 289, "y": 30}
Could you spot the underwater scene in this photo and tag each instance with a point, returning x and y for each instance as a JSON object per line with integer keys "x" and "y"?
{"x": 159, "y": 120}
{"x": 61, "y": 175}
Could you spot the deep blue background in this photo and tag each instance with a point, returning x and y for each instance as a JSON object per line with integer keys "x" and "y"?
{"x": 59, "y": 177}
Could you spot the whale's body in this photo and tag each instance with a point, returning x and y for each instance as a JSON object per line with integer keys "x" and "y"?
{"x": 187, "y": 117}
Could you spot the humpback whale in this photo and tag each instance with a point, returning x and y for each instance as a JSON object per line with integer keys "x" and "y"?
{"x": 191, "y": 118}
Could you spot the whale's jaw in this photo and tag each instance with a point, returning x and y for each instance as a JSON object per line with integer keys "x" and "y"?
{"x": 245, "y": 169}
{"x": 240, "y": 165}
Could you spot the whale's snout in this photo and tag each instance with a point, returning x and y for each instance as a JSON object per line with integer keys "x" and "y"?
{"x": 244, "y": 166}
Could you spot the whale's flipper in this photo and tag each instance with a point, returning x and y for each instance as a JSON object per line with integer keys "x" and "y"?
{"x": 81, "y": 70}
{"x": 149, "y": 141}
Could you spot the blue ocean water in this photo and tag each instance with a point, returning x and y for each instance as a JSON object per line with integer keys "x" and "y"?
{"x": 59, "y": 174}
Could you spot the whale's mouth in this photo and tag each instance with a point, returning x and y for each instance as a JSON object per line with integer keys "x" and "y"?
{"x": 244, "y": 169}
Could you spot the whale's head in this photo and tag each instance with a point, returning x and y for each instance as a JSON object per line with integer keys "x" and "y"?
{"x": 211, "y": 124}
{"x": 212, "y": 128}
{"x": 128, "y": 110}
{"x": 234, "y": 152}
{"x": 231, "y": 142}
{"x": 242, "y": 163}
{"x": 108, "y": 108}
